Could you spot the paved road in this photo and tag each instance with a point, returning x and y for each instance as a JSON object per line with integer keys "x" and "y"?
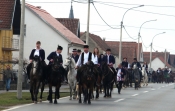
{"x": 155, "y": 97}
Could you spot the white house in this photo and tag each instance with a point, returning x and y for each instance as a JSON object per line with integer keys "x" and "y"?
{"x": 41, "y": 26}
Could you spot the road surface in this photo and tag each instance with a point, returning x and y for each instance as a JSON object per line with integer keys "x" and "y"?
{"x": 155, "y": 97}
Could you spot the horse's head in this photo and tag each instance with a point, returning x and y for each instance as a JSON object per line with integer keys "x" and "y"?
{"x": 70, "y": 63}
{"x": 35, "y": 64}
{"x": 56, "y": 63}
{"x": 135, "y": 66}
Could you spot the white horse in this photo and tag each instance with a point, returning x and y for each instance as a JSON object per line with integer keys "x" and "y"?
{"x": 145, "y": 77}
{"x": 72, "y": 73}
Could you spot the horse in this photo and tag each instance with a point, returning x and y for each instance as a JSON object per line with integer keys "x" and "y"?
{"x": 108, "y": 78}
{"x": 154, "y": 76}
{"x": 160, "y": 77}
{"x": 87, "y": 82}
{"x": 72, "y": 73}
{"x": 136, "y": 74}
{"x": 126, "y": 79}
{"x": 36, "y": 78}
{"x": 145, "y": 77}
{"x": 55, "y": 78}
{"x": 130, "y": 76}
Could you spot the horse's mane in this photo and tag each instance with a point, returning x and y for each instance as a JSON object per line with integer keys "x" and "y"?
{"x": 73, "y": 61}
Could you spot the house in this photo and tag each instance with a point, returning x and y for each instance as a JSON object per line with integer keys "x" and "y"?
{"x": 96, "y": 41}
{"x": 10, "y": 14}
{"x": 129, "y": 49}
{"x": 171, "y": 60}
{"x": 41, "y": 26}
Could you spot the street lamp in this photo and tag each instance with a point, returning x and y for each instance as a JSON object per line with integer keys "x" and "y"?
{"x": 120, "y": 45}
{"x": 138, "y": 57}
{"x": 152, "y": 46}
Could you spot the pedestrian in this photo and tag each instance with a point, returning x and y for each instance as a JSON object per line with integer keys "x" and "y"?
{"x": 120, "y": 77}
{"x": 8, "y": 74}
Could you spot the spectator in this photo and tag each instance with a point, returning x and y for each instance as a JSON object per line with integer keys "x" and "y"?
{"x": 8, "y": 74}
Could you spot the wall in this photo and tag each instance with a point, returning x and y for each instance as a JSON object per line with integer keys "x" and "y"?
{"x": 156, "y": 63}
{"x": 37, "y": 30}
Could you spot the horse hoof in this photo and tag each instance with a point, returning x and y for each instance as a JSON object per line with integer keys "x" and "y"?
{"x": 35, "y": 102}
{"x": 89, "y": 102}
{"x": 55, "y": 102}
{"x": 40, "y": 100}
{"x": 80, "y": 101}
{"x": 70, "y": 98}
{"x": 51, "y": 102}
{"x": 104, "y": 96}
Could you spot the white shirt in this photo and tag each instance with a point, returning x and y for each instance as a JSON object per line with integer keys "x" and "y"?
{"x": 57, "y": 53}
{"x": 108, "y": 59}
{"x": 95, "y": 60}
{"x": 119, "y": 75}
{"x": 36, "y": 52}
{"x": 86, "y": 56}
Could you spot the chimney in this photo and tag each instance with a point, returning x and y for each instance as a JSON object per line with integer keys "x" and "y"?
{"x": 38, "y": 7}
{"x": 104, "y": 38}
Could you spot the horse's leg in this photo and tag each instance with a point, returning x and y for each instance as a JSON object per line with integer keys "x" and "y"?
{"x": 42, "y": 89}
{"x": 74, "y": 88}
{"x": 108, "y": 87}
{"x": 36, "y": 91}
{"x": 89, "y": 94}
{"x": 104, "y": 90}
{"x": 50, "y": 94}
{"x": 70, "y": 86}
{"x": 85, "y": 95}
{"x": 31, "y": 90}
{"x": 56, "y": 93}
{"x": 79, "y": 93}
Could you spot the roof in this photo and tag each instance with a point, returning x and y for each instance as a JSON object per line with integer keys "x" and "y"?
{"x": 172, "y": 60}
{"x": 129, "y": 49}
{"x": 10, "y": 13}
{"x": 101, "y": 43}
{"x": 146, "y": 55}
{"x": 56, "y": 25}
{"x": 71, "y": 24}
{"x": 163, "y": 60}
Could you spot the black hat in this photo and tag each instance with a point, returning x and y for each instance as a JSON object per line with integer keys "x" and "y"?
{"x": 74, "y": 50}
{"x": 108, "y": 49}
{"x": 124, "y": 58}
{"x": 59, "y": 48}
{"x": 135, "y": 58}
{"x": 86, "y": 46}
{"x": 78, "y": 50}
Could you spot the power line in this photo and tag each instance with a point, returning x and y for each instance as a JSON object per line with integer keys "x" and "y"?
{"x": 137, "y": 10}
{"x": 136, "y": 4}
{"x": 101, "y": 30}
{"x": 103, "y": 19}
{"x": 47, "y": 2}
{"x": 128, "y": 34}
{"x": 143, "y": 43}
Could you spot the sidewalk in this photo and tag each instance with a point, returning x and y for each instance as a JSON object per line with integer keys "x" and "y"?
{"x": 64, "y": 88}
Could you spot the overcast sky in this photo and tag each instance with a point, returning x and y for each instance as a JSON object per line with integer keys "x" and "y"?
{"x": 112, "y": 14}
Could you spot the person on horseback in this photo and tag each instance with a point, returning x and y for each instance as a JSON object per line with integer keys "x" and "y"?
{"x": 38, "y": 51}
{"x": 75, "y": 56}
{"x": 78, "y": 52}
{"x": 110, "y": 60}
{"x": 137, "y": 63}
{"x": 83, "y": 59}
{"x": 120, "y": 77}
{"x": 57, "y": 53}
{"x": 145, "y": 65}
{"x": 125, "y": 63}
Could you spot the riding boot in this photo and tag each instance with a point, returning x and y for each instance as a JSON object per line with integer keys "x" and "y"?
{"x": 78, "y": 77}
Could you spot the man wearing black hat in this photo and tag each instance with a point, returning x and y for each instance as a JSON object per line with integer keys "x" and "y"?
{"x": 136, "y": 62}
{"x": 83, "y": 59}
{"x": 125, "y": 63}
{"x": 78, "y": 52}
{"x": 57, "y": 53}
{"x": 74, "y": 55}
{"x": 110, "y": 60}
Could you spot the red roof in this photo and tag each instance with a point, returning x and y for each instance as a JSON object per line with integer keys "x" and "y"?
{"x": 163, "y": 60}
{"x": 172, "y": 60}
{"x": 52, "y": 22}
{"x": 71, "y": 24}
{"x": 6, "y": 13}
{"x": 129, "y": 49}
{"x": 146, "y": 56}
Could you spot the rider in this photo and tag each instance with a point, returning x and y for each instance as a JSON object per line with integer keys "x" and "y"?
{"x": 83, "y": 59}
{"x": 75, "y": 56}
{"x": 57, "y": 53}
{"x": 38, "y": 51}
{"x": 110, "y": 60}
{"x": 145, "y": 65}
{"x": 125, "y": 63}
{"x": 137, "y": 63}
{"x": 78, "y": 52}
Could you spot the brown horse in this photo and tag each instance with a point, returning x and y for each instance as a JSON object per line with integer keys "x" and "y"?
{"x": 55, "y": 78}
{"x": 36, "y": 78}
{"x": 87, "y": 82}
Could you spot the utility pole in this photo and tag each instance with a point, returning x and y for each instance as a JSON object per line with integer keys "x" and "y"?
{"x": 138, "y": 52}
{"x": 88, "y": 20}
{"x": 120, "y": 45}
{"x": 165, "y": 58}
{"x": 19, "y": 84}
{"x": 150, "y": 57}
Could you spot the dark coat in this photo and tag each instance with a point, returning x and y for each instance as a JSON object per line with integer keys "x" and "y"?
{"x": 52, "y": 55}
{"x": 75, "y": 58}
{"x": 41, "y": 54}
{"x": 111, "y": 59}
{"x": 123, "y": 71}
{"x": 124, "y": 64}
{"x": 137, "y": 63}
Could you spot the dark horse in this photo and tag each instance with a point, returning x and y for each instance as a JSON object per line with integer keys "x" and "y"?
{"x": 87, "y": 82}
{"x": 36, "y": 77}
{"x": 55, "y": 77}
{"x": 108, "y": 79}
